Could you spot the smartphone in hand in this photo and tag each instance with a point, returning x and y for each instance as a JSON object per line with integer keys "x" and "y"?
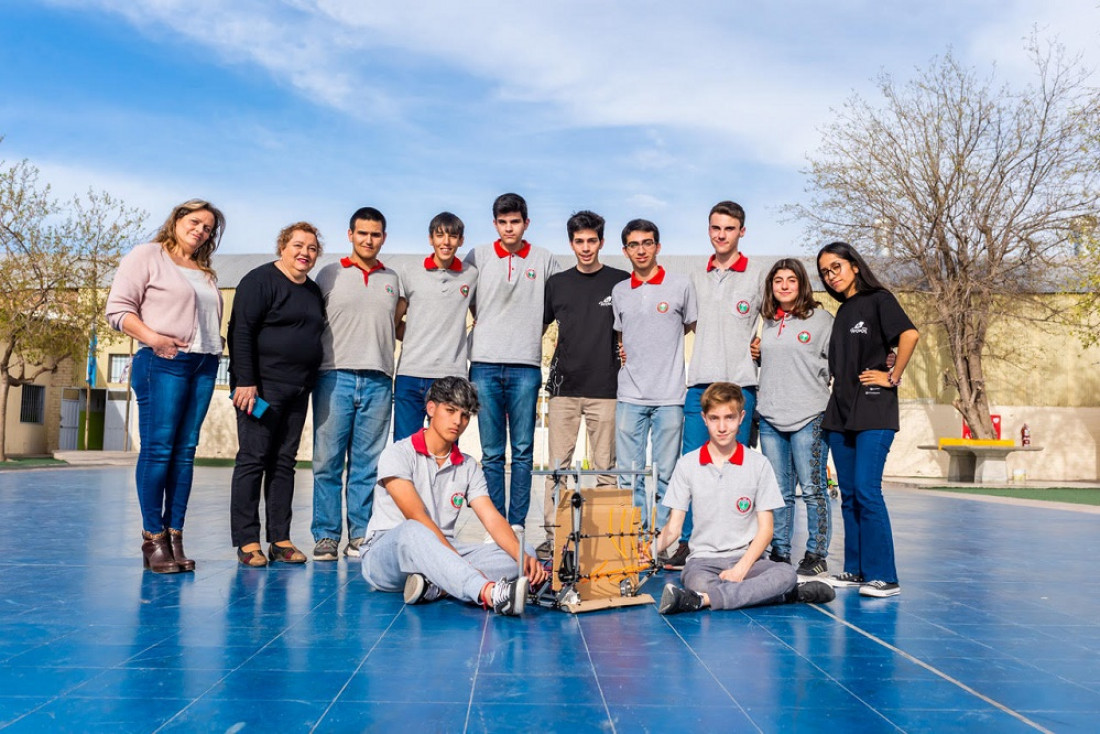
{"x": 257, "y": 409}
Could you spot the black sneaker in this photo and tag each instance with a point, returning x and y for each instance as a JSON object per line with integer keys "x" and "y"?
{"x": 352, "y": 548}
{"x": 811, "y": 592}
{"x": 545, "y": 551}
{"x": 777, "y": 558}
{"x": 845, "y": 580}
{"x": 677, "y": 560}
{"x": 418, "y": 590}
{"x": 326, "y": 549}
{"x": 879, "y": 589}
{"x": 675, "y": 599}
{"x": 508, "y": 597}
{"x": 813, "y": 566}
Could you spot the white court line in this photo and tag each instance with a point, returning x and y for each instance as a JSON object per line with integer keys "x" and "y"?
{"x": 935, "y": 670}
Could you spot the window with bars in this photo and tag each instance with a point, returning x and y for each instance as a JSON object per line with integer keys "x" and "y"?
{"x": 33, "y": 408}
{"x": 118, "y": 367}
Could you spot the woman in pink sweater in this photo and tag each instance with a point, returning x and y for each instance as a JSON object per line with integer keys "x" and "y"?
{"x": 165, "y": 295}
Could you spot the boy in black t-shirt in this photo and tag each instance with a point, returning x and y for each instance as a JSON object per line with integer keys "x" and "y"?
{"x": 584, "y": 370}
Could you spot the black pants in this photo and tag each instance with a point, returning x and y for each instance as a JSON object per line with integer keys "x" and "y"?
{"x": 265, "y": 458}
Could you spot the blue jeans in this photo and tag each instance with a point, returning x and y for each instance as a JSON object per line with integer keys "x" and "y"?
{"x": 799, "y": 456}
{"x": 860, "y": 457}
{"x": 351, "y": 424}
{"x": 410, "y": 395}
{"x": 634, "y": 425}
{"x": 509, "y": 394}
{"x": 172, "y": 396}
{"x": 695, "y": 431}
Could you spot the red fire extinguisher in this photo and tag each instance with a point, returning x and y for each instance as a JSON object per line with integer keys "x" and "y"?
{"x": 1025, "y": 436}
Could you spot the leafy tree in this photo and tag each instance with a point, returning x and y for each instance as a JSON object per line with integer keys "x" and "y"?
{"x": 54, "y": 260}
{"x": 971, "y": 192}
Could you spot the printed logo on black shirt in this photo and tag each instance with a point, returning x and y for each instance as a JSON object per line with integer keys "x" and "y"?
{"x": 859, "y": 328}
{"x": 605, "y": 302}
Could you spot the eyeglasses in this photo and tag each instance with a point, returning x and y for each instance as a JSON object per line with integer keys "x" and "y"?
{"x": 632, "y": 246}
{"x": 833, "y": 270}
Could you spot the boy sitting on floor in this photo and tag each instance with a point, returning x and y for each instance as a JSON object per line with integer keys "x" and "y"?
{"x": 732, "y": 493}
{"x": 410, "y": 540}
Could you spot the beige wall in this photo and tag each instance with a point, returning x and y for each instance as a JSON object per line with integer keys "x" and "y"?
{"x": 34, "y": 438}
{"x": 1037, "y": 373}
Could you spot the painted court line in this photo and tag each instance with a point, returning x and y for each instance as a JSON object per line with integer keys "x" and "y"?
{"x": 932, "y": 669}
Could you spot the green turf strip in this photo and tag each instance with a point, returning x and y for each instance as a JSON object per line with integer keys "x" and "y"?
{"x": 1052, "y": 494}
{"x": 31, "y": 463}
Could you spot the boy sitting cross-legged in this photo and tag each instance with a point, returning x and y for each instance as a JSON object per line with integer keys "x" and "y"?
{"x": 732, "y": 492}
{"x": 410, "y": 540}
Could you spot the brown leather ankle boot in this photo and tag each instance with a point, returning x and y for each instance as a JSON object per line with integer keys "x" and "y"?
{"x": 157, "y": 554}
{"x": 175, "y": 540}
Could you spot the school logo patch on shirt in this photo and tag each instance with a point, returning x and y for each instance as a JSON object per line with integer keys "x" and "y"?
{"x": 530, "y": 273}
{"x": 457, "y": 500}
{"x": 743, "y": 307}
{"x": 804, "y": 337}
{"x": 464, "y": 290}
{"x": 389, "y": 289}
{"x": 744, "y": 505}
{"x": 662, "y": 307}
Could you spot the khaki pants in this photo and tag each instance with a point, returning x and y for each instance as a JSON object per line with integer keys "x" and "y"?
{"x": 564, "y": 422}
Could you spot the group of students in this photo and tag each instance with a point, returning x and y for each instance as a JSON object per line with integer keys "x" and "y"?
{"x": 619, "y": 363}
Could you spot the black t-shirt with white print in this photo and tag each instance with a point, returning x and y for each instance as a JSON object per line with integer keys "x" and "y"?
{"x": 586, "y": 361}
{"x": 866, "y": 328}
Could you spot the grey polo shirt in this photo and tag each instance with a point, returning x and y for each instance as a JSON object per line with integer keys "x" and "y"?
{"x": 360, "y": 308}
{"x": 435, "y": 323}
{"x": 729, "y": 309}
{"x": 794, "y": 369}
{"x": 651, "y": 316}
{"x": 445, "y": 490}
{"x": 724, "y": 499}
{"x": 509, "y": 303}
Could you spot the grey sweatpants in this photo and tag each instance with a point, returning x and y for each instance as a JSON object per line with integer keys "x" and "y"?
{"x": 412, "y": 548}
{"x": 765, "y": 583}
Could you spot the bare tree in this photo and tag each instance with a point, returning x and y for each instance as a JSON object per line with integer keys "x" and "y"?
{"x": 54, "y": 259}
{"x": 968, "y": 191}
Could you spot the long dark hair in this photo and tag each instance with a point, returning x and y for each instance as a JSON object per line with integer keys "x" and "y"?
{"x": 804, "y": 305}
{"x": 865, "y": 279}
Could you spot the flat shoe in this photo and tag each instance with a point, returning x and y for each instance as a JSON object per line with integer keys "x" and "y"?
{"x": 285, "y": 554}
{"x": 254, "y": 559}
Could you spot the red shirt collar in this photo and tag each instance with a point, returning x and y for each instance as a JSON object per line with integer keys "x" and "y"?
{"x": 420, "y": 446}
{"x": 738, "y": 267}
{"x": 347, "y": 262}
{"x": 429, "y": 264}
{"x": 738, "y": 456}
{"x": 655, "y": 280}
{"x": 522, "y": 252}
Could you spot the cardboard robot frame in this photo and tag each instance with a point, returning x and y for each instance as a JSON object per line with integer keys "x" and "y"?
{"x": 599, "y": 537}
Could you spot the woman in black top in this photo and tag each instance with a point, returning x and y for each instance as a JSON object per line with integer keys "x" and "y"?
{"x": 862, "y": 415}
{"x": 274, "y": 353}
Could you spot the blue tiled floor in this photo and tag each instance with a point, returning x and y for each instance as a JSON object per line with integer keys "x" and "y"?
{"x": 997, "y": 629}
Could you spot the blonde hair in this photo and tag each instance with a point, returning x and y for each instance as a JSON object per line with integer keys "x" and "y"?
{"x": 202, "y": 256}
{"x": 722, "y": 393}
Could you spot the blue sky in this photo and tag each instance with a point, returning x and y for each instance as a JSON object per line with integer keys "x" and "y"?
{"x": 280, "y": 111}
